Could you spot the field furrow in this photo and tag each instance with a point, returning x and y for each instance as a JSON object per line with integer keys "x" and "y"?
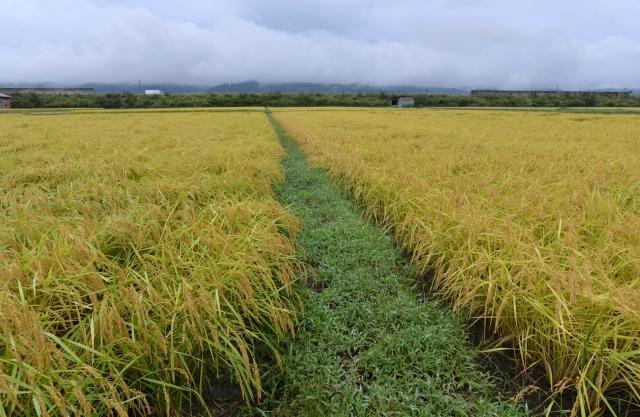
{"x": 369, "y": 343}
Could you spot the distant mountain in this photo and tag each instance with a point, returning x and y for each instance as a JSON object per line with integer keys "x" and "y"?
{"x": 256, "y": 87}
{"x": 135, "y": 89}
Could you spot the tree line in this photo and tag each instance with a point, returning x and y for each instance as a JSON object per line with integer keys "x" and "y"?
{"x": 133, "y": 101}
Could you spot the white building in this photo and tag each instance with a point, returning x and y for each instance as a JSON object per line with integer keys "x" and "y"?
{"x": 406, "y": 102}
{"x": 153, "y": 92}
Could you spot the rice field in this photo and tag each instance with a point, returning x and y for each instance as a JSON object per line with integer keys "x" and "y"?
{"x": 529, "y": 221}
{"x": 142, "y": 256}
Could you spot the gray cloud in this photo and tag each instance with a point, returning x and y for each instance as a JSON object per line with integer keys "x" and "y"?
{"x": 475, "y": 43}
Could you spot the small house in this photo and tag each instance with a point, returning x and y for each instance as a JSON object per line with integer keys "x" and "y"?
{"x": 153, "y": 92}
{"x": 5, "y": 101}
{"x": 404, "y": 102}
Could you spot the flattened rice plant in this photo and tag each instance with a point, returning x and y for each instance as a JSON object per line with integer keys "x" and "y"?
{"x": 531, "y": 221}
{"x": 141, "y": 257}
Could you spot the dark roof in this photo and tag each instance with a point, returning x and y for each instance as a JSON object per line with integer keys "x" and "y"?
{"x": 4, "y": 96}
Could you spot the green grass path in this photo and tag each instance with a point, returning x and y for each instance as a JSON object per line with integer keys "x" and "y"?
{"x": 369, "y": 344}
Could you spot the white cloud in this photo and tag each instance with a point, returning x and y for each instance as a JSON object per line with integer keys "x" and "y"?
{"x": 574, "y": 44}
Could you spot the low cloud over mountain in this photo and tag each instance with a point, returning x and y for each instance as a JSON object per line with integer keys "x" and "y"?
{"x": 455, "y": 43}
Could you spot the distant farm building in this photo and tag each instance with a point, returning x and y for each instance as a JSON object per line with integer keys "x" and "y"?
{"x": 50, "y": 91}
{"x": 403, "y": 102}
{"x": 5, "y": 101}
{"x": 538, "y": 93}
{"x": 153, "y": 92}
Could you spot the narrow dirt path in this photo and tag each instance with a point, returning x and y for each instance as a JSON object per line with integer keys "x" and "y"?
{"x": 368, "y": 345}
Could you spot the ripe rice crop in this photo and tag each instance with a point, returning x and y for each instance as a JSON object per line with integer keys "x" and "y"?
{"x": 141, "y": 257}
{"x": 529, "y": 220}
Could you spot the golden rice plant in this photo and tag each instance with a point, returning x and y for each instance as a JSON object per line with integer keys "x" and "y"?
{"x": 530, "y": 220}
{"x": 142, "y": 256}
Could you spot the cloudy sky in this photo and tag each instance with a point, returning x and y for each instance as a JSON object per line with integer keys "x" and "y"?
{"x": 450, "y": 43}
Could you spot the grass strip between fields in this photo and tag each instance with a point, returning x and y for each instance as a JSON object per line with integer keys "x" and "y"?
{"x": 368, "y": 344}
